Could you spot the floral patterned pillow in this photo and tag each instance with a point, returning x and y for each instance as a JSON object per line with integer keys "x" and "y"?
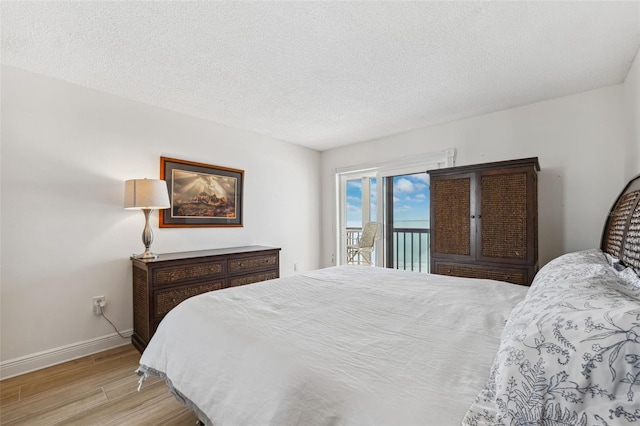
{"x": 630, "y": 279}
{"x": 569, "y": 353}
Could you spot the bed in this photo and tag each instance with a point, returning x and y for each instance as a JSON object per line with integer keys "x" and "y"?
{"x": 357, "y": 345}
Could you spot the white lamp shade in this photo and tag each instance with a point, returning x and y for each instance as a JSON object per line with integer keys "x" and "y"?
{"x": 146, "y": 194}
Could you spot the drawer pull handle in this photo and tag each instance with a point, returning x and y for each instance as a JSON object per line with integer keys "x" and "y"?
{"x": 448, "y": 271}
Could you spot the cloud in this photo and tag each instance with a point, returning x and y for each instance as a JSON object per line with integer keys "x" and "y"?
{"x": 355, "y": 183}
{"x": 420, "y": 186}
{"x": 422, "y": 177}
{"x": 403, "y": 185}
{"x": 353, "y": 208}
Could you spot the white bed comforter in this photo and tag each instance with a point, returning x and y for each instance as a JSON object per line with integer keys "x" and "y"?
{"x": 339, "y": 346}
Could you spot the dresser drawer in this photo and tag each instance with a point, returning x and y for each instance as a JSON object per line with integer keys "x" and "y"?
{"x": 194, "y": 271}
{"x": 160, "y": 284}
{"x": 512, "y": 275}
{"x": 251, "y": 263}
{"x": 253, "y": 278}
{"x": 165, "y": 300}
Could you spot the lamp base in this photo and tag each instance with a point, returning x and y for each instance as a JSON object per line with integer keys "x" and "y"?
{"x": 146, "y": 255}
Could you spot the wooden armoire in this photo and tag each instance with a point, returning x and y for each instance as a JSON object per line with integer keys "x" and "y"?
{"x": 484, "y": 221}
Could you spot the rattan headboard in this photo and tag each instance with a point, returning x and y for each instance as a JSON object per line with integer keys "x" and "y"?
{"x": 621, "y": 235}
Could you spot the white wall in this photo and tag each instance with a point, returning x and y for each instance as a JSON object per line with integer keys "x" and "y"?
{"x": 578, "y": 139}
{"x": 66, "y": 152}
{"x": 631, "y": 90}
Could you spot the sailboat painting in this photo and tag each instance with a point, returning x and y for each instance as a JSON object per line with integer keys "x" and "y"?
{"x": 201, "y": 194}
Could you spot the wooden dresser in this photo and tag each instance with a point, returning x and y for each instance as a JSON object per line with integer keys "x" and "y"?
{"x": 160, "y": 284}
{"x": 484, "y": 221}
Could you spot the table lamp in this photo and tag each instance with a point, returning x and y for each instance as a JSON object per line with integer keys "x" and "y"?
{"x": 146, "y": 195}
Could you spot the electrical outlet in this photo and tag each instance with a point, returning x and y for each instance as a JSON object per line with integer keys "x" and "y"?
{"x": 99, "y": 302}
{"x": 295, "y": 267}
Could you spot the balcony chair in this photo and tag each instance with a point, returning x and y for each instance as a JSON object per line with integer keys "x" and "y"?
{"x": 364, "y": 246}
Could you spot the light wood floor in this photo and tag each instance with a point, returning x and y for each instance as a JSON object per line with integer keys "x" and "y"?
{"x": 100, "y": 389}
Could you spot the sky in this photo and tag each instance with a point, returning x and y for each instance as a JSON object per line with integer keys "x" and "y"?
{"x": 410, "y": 201}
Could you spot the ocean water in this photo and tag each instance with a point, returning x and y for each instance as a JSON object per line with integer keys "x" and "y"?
{"x": 411, "y": 249}
{"x": 420, "y": 224}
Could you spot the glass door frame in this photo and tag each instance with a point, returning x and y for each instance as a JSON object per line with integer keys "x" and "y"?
{"x": 386, "y": 181}
{"x": 342, "y": 179}
{"x": 385, "y": 208}
{"x": 402, "y": 166}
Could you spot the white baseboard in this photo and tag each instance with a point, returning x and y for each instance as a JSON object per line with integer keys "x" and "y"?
{"x": 25, "y": 364}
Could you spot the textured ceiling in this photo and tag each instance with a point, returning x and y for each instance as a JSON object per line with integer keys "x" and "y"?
{"x": 326, "y": 74}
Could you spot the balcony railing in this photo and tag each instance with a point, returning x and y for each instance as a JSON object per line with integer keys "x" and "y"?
{"x": 410, "y": 248}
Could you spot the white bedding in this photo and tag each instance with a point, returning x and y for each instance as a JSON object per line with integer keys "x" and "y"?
{"x": 570, "y": 352}
{"x": 346, "y": 345}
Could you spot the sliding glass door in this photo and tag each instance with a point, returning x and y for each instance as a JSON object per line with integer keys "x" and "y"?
{"x": 406, "y": 200}
{"x": 395, "y": 195}
{"x": 358, "y": 201}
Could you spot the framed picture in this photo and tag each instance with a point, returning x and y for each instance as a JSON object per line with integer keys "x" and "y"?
{"x": 201, "y": 195}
